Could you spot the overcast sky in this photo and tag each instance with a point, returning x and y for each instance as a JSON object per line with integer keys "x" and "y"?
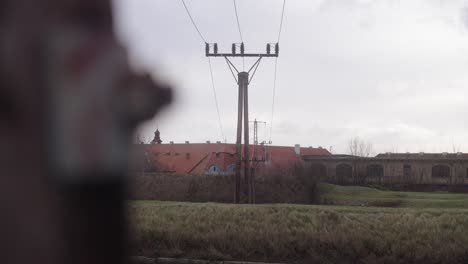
{"x": 394, "y": 73}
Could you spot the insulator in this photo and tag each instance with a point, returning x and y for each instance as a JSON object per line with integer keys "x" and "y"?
{"x": 268, "y": 48}
{"x": 216, "y": 48}
{"x": 207, "y": 48}
{"x": 233, "y": 48}
{"x": 277, "y": 48}
{"x": 242, "y": 48}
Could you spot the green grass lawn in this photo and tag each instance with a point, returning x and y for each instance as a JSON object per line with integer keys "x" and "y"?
{"x": 364, "y": 196}
{"x": 425, "y": 228}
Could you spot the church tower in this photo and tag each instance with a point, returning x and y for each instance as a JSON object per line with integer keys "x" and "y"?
{"x": 157, "y": 138}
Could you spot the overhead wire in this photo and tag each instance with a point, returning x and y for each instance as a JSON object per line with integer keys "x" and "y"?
{"x": 211, "y": 71}
{"x": 237, "y": 18}
{"x": 240, "y": 32}
{"x": 273, "y": 98}
{"x": 216, "y": 100}
{"x": 275, "y": 73}
{"x": 193, "y": 22}
{"x": 281, "y": 23}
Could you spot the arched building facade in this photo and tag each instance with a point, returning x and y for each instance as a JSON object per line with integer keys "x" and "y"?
{"x": 394, "y": 168}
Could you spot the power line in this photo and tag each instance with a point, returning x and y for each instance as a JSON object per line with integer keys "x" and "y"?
{"x": 193, "y": 22}
{"x": 276, "y": 67}
{"x": 273, "y": 101}
{"x": 281, "y": 23}
{"x": 240, "y": 32}
{"x": 216, "y": 100}
{"x": 237, "y": 18}
{"x": 211, "y": 72}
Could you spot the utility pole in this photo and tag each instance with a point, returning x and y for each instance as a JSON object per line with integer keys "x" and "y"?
{"x": 256, "y": 129}
{"x": 255, "y": 138}
{"x": 243, "y": 81}
{"x": 255, "y": 160}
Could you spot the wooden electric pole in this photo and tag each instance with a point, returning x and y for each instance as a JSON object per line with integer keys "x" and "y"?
{"x": 243, "y": 81}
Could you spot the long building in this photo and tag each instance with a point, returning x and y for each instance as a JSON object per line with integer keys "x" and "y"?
{"x": 392, "y": 168}
{"x": 219, "y": 158}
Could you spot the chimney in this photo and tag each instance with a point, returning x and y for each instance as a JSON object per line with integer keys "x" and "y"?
{"x": 187, "y": 142}
{"x": 208, "y": 142}
{"x": 218, "y": 142}
{"x": 297, "y": 149}
{"x": 171, "y": 142}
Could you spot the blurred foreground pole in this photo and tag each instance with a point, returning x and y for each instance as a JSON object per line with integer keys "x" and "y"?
{"x": 68, "y": 108}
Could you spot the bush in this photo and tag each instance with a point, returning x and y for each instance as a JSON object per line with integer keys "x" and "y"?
{"x": 295, "y": 186}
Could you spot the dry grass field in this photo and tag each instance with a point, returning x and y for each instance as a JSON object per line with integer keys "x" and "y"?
{"x": 427, "y": 228}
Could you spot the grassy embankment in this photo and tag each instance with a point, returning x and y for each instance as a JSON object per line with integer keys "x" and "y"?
{"x": 364, "y": 196}
{"x": 310, "y": 233}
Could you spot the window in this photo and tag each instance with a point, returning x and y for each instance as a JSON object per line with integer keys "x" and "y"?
{"x": 375, "y": 170}
{"x": 441, "y": 171}
{"x": 231, "y": 168}
{"x": 214, "y": 169}
{"x": 407, "y": 171}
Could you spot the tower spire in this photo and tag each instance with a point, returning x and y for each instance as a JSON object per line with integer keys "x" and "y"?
{"x": 157, "y": 138}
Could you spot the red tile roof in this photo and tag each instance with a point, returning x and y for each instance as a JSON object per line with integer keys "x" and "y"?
{"x": 197, "y": 158}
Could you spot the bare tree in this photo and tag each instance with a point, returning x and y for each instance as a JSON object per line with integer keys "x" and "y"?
{"x": 137, "y": 139}
{"x": 359, "y": 147}
{"x": 140, "y": 139}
